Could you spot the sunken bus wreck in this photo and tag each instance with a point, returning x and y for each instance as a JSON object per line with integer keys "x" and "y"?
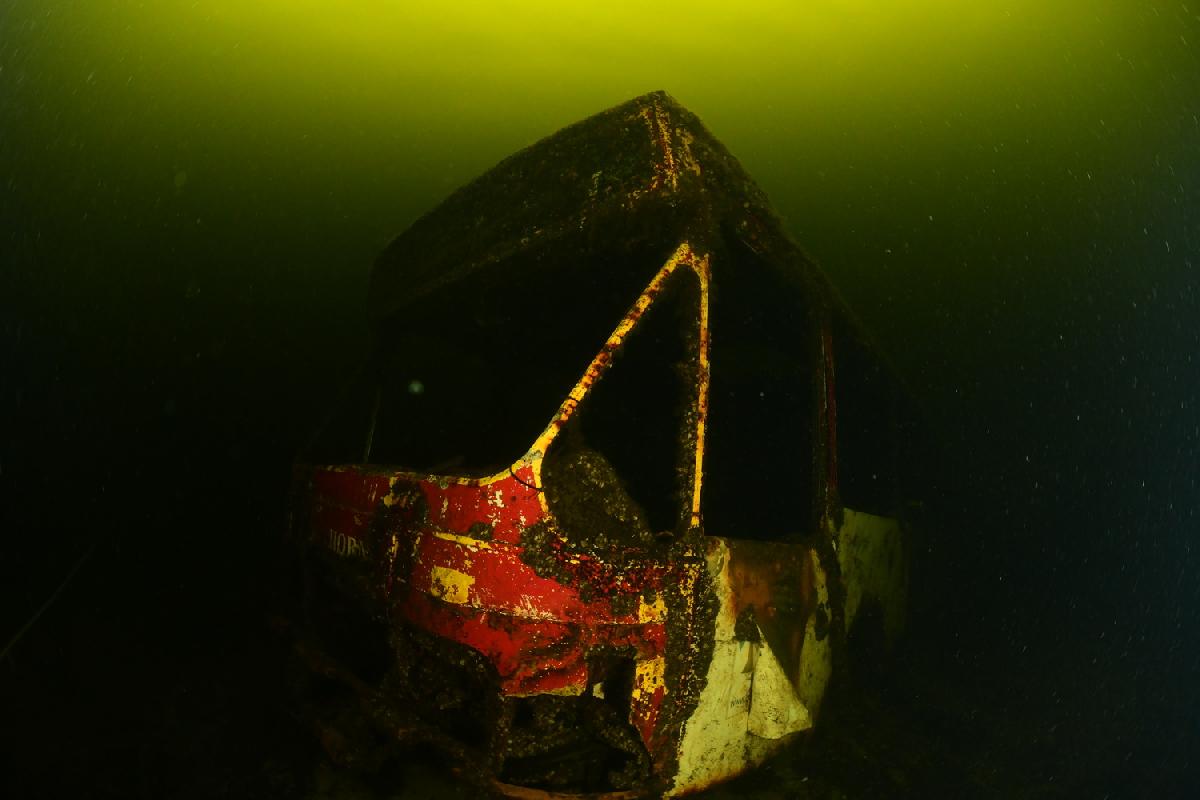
{"x": 617, "y": 481}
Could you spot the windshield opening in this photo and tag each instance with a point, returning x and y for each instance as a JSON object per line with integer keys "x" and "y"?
{"x": 466, "y": 379}
{"x": 619, "y": 471}
{"x": 759, "y": 468}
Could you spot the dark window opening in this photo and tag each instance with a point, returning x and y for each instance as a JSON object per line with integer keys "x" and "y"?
{"x": 620, "y": 470}
{"x": 468, "y": 377}
{"x": 759, "y": 474}
{"x": 867, "y": 440}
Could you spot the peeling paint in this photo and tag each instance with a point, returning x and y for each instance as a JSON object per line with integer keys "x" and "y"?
{"x": 450, "y": 585}
{"x": 648, "y": 679}
{"x": 654, "y": 611}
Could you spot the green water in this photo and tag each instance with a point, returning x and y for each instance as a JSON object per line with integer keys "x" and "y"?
{"x": 946, "y": 163}
{"x": 191, "y": 195}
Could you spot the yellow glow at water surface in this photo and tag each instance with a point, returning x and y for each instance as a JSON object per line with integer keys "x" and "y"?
{"x": 366, "y": 63}
{"x": 428, "y": 94}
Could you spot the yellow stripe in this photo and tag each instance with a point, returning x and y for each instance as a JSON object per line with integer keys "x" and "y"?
{"x": 465, "y": 541}
{"x": 703, "y": 272}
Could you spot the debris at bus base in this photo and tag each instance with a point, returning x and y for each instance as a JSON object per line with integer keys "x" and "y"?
{"x": 619, "y": 476}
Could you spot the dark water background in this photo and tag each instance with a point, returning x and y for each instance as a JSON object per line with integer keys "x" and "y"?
{"x": 190, "y": 200}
